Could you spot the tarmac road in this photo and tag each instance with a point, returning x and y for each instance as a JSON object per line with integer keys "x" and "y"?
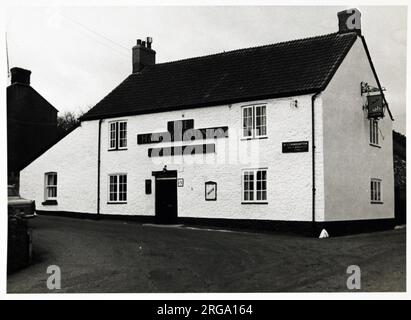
{"x": 117, "y": 256}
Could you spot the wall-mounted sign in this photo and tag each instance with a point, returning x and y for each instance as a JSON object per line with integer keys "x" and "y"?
{"x": 375, "y": 106}
{"x": 180, "y": 182}
{"x": 182, "y": 130}
{"x": 211, "y": 191}
{"x": 191, "y": 149}
{"x": 295, "y": 146}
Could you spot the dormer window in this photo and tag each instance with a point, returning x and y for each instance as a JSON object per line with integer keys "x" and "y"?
{"x": 117, "y": 135}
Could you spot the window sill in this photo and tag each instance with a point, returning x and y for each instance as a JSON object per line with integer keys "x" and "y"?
{"x": 377, "y": 202}
{"x": 253, "y": 138}
{"x": 255, "y": 202}
{"x": 116, "y": 202}
{"x": 375, "y": 145}
{"x": 122, "y": 149}
{"x": 49, "y": 203}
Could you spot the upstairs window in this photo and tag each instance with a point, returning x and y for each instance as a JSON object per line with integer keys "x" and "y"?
{"x": 50, "y": 186}
{"x": 123, "y": 134}
{"x": 374, "y": 139}
{"x": 117, "y": 188}
{"x": 117, "y": 135}
{"x": 260, "y": 121}
{"x": 254, "y": 185}
{"x": 376, "y": 191}
{"x": 247, "y": 122}
{"x": 254, "y": 121}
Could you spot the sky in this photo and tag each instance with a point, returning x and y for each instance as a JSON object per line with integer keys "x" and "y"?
{"x": 77, "y": 55}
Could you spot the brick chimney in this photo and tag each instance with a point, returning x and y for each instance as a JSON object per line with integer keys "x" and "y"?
{"x": 143, "y": 55}
{"x": 349, "y": 21}
{"x": 20, "y": 75}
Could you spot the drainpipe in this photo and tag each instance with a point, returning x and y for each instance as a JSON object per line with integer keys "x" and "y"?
{"x": 98, "y": 167}
{"x": 313, "y": 97}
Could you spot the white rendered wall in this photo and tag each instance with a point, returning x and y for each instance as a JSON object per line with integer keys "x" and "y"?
{"x": 289, "y": 174}
{"x": 349, "y": 160}
{"x": 74, "y": 158}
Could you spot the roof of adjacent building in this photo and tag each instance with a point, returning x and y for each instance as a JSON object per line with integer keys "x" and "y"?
{"x": 278, "y": 70}
{"x": 29, "y": 90}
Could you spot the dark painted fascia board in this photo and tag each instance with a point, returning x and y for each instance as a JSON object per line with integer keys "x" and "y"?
{"x": 337, "y": 65}
{"x": 375, "y": 75}
{"x": 328, "y": 80}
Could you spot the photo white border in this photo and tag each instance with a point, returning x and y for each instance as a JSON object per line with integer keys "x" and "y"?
{"x": 177, "y": 296}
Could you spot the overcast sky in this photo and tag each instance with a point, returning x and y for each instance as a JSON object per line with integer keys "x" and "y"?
{"x": 78, "y": 55}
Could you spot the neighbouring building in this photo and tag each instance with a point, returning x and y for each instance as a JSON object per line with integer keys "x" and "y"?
{"x": 294, "y": 134}
{"x": 31, "y": 123}
{"x": 400, "y": 176}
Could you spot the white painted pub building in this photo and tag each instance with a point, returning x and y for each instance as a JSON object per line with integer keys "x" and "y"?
{"x": 290, "y": 134}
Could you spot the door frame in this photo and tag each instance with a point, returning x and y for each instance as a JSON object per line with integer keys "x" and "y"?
{"x": 164, "y": 175}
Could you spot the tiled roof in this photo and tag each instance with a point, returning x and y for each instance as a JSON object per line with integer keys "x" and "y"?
{"x": 278, "y": 70}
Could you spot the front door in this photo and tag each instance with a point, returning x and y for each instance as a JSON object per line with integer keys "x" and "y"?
{"x": 166, "y": 197}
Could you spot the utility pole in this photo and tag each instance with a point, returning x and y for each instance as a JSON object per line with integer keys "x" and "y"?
{"x": 7, "y": 54}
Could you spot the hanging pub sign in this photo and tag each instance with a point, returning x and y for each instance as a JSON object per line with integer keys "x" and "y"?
{"x": 375, "y": 106}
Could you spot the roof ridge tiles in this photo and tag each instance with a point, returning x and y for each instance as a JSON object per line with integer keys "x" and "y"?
{"x": 281, "y": 43}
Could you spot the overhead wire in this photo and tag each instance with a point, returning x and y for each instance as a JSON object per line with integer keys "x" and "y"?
{"x": 95, "y": 33}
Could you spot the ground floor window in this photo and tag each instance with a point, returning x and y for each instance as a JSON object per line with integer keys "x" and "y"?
{"x": 254, "y": 185}
{"x": 118, "y": 188}
{"x": 50, "y": 186}
{"x": 376, "y": 190}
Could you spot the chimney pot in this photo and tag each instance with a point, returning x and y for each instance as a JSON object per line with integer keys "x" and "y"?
{"x": 149, "y": 42}
{"x": 349, "y": 21}
{"x": 143, "y": 55}
{"x": 20, "y": 75}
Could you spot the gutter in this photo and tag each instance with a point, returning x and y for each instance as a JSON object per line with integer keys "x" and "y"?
{"x": 313, "y": 97}
{"x": 87, "y": 117}
{"x": 98, "y": 167}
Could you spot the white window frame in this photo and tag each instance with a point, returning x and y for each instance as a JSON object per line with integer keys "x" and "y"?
{"x": 254, "y": 190}
{"x": 253, "y": 109}
{"x": 114, "y": 135}
{"x": 117, "y": 191}
{"x": 376, "y": 194}
{"x": 374, "y": 133}
{"x": 120, "y": 138}
{"x": 243, "y": 119}
{"x": 48, "y": 186}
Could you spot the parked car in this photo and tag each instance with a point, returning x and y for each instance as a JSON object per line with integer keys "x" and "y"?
{"x": 18, "y": 206}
